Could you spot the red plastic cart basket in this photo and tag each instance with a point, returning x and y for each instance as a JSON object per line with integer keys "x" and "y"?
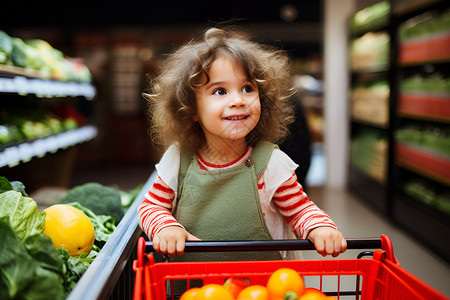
{"x": 379, "y": 277}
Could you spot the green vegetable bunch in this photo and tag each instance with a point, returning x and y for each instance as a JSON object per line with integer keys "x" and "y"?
{"x": 39, "y": 55}
{"x": 30, "y": 265}
{"x": 102, "y": 200}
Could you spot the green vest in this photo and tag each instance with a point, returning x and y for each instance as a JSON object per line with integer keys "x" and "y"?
{"x": 224, "y": 205}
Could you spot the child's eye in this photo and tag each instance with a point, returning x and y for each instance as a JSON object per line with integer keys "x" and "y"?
{"x": 219, "y": 92}
{"x": 247, "y": 89}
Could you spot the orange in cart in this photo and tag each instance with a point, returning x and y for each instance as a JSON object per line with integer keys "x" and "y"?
{"x": 213, "y": 291}
{"x": 254, "y": 292}
{"x": 284, "y": 280}
{"x": 312, "y": 294}
{"x": 190, "y": 294}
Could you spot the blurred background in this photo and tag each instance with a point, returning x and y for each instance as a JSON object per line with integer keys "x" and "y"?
{"x": 372, "y": 136}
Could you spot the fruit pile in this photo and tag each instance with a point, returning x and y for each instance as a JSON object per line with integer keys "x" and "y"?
{"x": 283, "y": 284}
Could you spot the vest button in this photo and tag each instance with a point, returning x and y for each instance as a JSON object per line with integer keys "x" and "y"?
{"x": 249, "y": 162}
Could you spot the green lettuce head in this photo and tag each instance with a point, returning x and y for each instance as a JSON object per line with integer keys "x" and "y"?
{"x": 23, "y": 214}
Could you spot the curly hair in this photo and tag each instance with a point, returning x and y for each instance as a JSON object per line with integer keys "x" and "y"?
{"x": 172, "y": 94}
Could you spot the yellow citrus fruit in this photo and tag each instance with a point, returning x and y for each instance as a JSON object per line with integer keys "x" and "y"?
{"x": 69, "y": 228}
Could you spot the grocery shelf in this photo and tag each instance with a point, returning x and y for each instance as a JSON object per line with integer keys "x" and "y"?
{"x": 370, "y": 123}
{"x": 434, "y": 108}
{"x": 432, "y": 165}
{"x": 424, "y": 224}
{"x": 24, "y": 85}
{"x": 402, "y": 7}
{"x": 370, "y": 189}
{"x": 428, "y": 51}
{"x": 12, "y": 155}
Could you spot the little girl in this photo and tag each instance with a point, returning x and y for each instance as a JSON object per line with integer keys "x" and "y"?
{"x": 218, "y": 106}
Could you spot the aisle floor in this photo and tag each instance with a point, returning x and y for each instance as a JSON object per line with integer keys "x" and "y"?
{"x": 354, "y": 218}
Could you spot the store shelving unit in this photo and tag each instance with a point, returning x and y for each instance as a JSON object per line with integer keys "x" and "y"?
{"x": 414, "y": 192}
{"x": 371, "y": 127}
{"x": 20, "y": 87}
{"x": 421, "y": 157}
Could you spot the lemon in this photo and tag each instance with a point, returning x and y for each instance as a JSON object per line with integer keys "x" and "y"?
{"x": 69, "y": 228}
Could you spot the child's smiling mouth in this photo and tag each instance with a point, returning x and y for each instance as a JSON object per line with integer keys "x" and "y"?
{"x": 237, "y": 118}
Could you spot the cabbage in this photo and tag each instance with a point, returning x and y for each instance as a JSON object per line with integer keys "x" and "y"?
{"x": 29, "y": 269}
{"x": 23, "y": 214}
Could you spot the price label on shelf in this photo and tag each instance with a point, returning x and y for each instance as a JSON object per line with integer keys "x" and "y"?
{"x": 12, "y": 156}
{"x": 46, "y": 88}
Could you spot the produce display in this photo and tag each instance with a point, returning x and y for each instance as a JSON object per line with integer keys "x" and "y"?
{"x": 425, "y": 37}
{"x": 102, "y": 200}
{"x": 39, "y": 56}
{"x": 428, "y": 194}
{"x": 432, "y": 139}
{"x": 35, "y": 262}
{"x": 370, "y": 17}
{"x": 283, "y": 284}
{"x": 431, "y": 85}
{"x": 370, "y": 102}
{"x": 370, "y": 52}
{"x": 19, "y": 124}
{"x": 369, "y": 149}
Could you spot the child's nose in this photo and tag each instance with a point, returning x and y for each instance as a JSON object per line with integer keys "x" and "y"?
{"x": 237, "y": 101}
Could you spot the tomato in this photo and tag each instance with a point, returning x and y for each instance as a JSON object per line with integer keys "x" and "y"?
{"x": 235, "y": 285}
{"x": 190, "y": 294}
{"x": 254, "y": 292}
{"x": 284, "y": 280}
{"x": 213, "y": 291}
{"x": 312, "y": 294}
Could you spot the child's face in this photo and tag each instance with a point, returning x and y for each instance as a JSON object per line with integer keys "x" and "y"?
{"x": 228, "y": 106}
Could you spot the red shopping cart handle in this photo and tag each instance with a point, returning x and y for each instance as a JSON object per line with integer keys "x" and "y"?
{"x": 270, "y": 245}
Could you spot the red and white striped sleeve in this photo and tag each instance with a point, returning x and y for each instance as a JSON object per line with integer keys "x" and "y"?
{"x": 154, "y": 211}
{"x": 301, "y": 214}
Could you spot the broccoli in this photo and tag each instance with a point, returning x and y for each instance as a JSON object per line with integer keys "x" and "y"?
{"x": 102, "y": 200}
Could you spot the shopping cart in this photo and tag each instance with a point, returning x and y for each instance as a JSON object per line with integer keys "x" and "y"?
{"x": 378, "y": 277}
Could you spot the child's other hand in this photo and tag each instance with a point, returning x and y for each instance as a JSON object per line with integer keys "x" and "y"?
{"x": 171, "y": 240}
{"x": 328, "y": 241}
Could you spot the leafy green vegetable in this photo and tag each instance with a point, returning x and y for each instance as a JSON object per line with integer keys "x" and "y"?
{"x": 29, "y": 270}
{"x": 18, "y": 186}
{"x": 76, "y": 266}
{"x": 23, "y": 214}
{"x": 128, "y": 197}
{"x": 5, "y": 186}
{"x": 102, "y": 200}
{"x": 103, "y": 224}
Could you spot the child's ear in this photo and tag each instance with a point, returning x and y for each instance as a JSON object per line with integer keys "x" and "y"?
{"x": 195, "y": 118}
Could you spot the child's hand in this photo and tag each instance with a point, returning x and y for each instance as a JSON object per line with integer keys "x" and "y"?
{"x": 171, "y": 240}
{"x": 328, "y": 241}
